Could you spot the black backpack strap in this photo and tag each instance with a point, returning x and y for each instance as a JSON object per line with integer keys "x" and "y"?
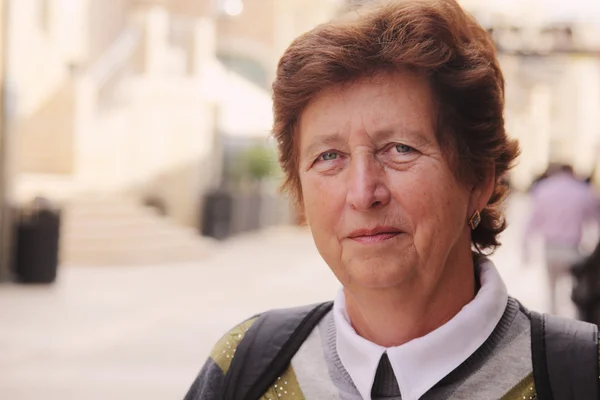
{"x": 267, "y": 349}
{"x": 538, "y": 356}
{"x": 565, "y": 358}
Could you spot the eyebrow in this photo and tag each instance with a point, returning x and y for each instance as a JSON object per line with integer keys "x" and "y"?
{"x": 387, "y": 134}
{"x": 327, "y": 139}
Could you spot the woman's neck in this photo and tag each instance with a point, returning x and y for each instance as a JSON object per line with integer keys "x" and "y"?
{"x": 395, "y": 316}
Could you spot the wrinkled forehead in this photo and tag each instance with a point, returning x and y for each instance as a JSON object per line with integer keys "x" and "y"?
{"x": 378, "y": 106}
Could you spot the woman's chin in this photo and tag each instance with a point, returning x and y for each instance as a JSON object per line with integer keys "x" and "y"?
{"x": 378, "y": 275}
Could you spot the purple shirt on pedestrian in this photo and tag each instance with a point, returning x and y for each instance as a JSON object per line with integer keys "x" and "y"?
{"x": 561, "y": 205}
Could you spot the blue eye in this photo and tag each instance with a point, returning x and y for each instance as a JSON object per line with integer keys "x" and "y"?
{"x": 402, "y": 148}
{"x": 329, "y": 156}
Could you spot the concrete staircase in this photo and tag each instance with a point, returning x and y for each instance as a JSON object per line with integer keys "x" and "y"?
{"x": 113, "y": 232}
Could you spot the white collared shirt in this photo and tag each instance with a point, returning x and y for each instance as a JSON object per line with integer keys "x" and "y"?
{"x": 421, "y": 363}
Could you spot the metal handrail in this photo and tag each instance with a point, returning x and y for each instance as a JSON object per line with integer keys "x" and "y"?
{"x": 116, "y": 56}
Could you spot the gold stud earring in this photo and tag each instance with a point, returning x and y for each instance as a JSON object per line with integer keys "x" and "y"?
{"x": 475, "y": 220}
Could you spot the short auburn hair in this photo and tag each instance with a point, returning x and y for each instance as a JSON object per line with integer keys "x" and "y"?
{"x": 435, "y": 39}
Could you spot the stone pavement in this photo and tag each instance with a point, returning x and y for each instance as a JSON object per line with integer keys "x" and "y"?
{"x": 144, "y": 332}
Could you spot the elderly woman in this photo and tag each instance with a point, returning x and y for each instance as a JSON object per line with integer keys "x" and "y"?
{"x": 391, "y": 135}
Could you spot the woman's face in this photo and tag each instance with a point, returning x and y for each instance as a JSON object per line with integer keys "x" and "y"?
{"x": 380, "y": 198}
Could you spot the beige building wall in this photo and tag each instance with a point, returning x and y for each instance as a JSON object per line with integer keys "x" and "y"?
{"x": 46, "y": 137}
{"x": 553, "y": 108}
{"x": 66, "y": 26}
{"x": 47, "y": 39}
{"x": 157, "y": 140}
{"x": 36, "y": 63}
{"x": 266, "y": 28}
{"x": 197, "y": 8}
{"x": 155, "y": 133}
{"x": 106, "y": 20}
{"x": 553, "y": 102}
{"x": 256, "y": 23}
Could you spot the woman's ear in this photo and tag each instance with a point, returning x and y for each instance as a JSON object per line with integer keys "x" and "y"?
{"x": 482, "y": 192}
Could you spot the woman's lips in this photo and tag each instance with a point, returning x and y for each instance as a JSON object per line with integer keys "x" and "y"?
{"x": 375, "y": 238}
{"x": 377, "y": 235}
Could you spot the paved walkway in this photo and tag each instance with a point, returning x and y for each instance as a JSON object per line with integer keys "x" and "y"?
{"x": 143, "y": 332}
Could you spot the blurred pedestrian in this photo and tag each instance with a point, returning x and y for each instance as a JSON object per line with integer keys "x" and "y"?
{"x": 550, "y": 170}
{"x": 586, "y": 290}
{"x": 561, "y": 205}
{"x": 391, "y": 136}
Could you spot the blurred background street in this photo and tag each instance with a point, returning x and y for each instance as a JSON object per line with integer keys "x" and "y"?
{"x": 139, "y": 211}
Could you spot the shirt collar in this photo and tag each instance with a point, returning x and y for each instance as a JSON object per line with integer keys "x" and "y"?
{"x": 421, "y": 363}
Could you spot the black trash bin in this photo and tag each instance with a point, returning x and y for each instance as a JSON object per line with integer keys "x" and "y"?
{"x": 217, "y": 214}
{"x": 37, "y": 235}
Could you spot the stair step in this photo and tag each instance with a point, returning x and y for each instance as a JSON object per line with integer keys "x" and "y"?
{"x": 108, "y": 235}
{"x": 113, "y": 231}
{"x": 123, "y": 228}
{"x": 119, "y": 258}
{"x": 111, "y": 212}
{"x": 134, "y": 244}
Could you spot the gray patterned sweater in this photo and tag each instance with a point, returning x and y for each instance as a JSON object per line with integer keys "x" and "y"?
{"x": 500, "y": 368}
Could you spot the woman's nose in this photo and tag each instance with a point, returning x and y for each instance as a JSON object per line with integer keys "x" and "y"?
{"x": 367, "y": 187}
